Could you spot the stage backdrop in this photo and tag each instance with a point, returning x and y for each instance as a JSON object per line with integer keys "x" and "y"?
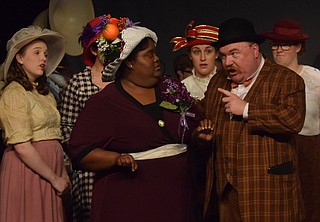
{"x": 169, "y": 19}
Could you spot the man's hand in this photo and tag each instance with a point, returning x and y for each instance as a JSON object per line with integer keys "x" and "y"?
{"x": 233, "y": 103}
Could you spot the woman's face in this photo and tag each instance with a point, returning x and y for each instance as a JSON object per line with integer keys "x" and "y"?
{"x": 145, "y": 67}
{"x": 203, "y": 59}
{"x": 33, "y": 59}
{"x": 285, "y": 55}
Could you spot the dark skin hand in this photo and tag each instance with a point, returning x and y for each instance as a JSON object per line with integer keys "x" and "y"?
{"x": 204, "y": 131}
{"x": 125, "y": 160}
{"x": 99, "y": 159}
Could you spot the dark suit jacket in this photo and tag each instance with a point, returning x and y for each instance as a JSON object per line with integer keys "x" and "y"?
{"x": 245, "y": 149}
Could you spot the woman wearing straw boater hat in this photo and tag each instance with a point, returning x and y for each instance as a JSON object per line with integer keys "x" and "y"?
{"x": 254, "y": 110}
{"x": 32, "y": 176}
{"x": 78, "y": 90}
{"x": 133, "y": 136}
{"x": 288, "y": 43}
{"x": 199, "y": 41}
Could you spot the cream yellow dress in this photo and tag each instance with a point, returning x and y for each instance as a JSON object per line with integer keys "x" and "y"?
{"x": 24, "y": 195}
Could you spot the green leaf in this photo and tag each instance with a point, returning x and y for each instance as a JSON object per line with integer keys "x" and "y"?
{"x": 168, "y": 105}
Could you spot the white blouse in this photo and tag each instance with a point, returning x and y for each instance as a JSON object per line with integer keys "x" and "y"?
{"x": 311, "y": 77}
{"x": 198, "y": 86}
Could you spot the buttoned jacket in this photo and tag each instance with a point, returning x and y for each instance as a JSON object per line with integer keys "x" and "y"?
{"x": 243, "y": 150}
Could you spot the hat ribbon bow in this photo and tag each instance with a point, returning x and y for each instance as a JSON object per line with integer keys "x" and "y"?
{"x": 179, "y": 42}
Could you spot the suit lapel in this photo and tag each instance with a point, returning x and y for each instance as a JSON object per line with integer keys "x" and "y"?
{"x": 258, "y": 84}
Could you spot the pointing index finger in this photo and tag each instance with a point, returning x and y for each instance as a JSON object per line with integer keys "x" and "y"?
{"x": 225, "y": 92}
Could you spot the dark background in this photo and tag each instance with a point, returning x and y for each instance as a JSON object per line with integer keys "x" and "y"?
{"x": 169, "y": 19}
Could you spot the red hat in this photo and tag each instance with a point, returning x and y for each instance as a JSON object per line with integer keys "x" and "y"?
{"x": 198, "y": 35}
{"x": 95, "y": 29}
{"x": 286, "y": 30}
{"x": 88, "y": 36}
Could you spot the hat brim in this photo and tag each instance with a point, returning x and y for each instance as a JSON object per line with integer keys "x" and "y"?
{"x": 88, "y": 57}
{"x": 285, "y": 38}
{"x": 56, "y": 50}
{"x": 199, "y": 42}
{"x": 132, "y": 36}
{"x": 250, "y": 38}
{"x": 69, "y": 18}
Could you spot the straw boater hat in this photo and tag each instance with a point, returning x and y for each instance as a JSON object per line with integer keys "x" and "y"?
{"x": 198, "y": 35}
{"x": 238, "y": 30}
{"x": 286, "y": 30}
{"x": 55, "y": 43}
{"x": 68, "y": 18}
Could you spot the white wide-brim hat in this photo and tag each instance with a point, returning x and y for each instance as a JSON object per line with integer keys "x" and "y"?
{"x": 68, "y": 17}
{"x": 55, "y": 43}
{"x": 42, "y": 19}
{"x": 131, "y": 36}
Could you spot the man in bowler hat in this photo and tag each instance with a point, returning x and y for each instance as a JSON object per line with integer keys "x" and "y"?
{"x": 253, "y": 109}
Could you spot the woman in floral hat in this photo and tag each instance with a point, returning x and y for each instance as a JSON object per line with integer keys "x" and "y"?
{"x": 288, "y": 44}
{"x": 32, "y": 174}
{"x": 78, "y": 90}
{"x": 200, "y": 42}
{"x": 134, "y": 134}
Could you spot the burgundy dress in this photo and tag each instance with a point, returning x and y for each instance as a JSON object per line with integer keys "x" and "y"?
{"x": 160, "y": 189}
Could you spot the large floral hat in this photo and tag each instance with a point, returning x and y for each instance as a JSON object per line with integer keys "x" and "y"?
{"x": 105, "y": 31}
{"x": 196, "y": 35}
{"x": 129, "y": 38}
{"x": 55, "y": 43}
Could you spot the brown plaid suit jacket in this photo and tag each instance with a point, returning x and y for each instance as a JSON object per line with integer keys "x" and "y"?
{"x": 245, "y": 149}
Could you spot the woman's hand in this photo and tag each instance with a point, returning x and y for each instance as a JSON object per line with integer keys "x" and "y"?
{"x": 61, "y": 184}
{"x": 205, "y": 130}
{"x": 127, "y": 160}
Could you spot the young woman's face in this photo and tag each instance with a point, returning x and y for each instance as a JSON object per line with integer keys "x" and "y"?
{"x": 34, "y": 59}
{"x": 285, "y": 54}
{"x": 203, "y": 59}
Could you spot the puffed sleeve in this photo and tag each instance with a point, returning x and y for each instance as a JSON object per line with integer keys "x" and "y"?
{"x": 14, "y": 115}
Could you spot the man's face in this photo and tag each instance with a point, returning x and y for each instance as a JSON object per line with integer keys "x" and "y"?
{"x": 240, "y": 60}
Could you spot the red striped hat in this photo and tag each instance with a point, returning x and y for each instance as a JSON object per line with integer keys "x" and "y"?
{"x": 198, "y": 35}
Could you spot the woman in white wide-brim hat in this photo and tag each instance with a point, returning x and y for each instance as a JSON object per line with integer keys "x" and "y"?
{"x": 32, "y": 174}
{"x": 123, "y": 134}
